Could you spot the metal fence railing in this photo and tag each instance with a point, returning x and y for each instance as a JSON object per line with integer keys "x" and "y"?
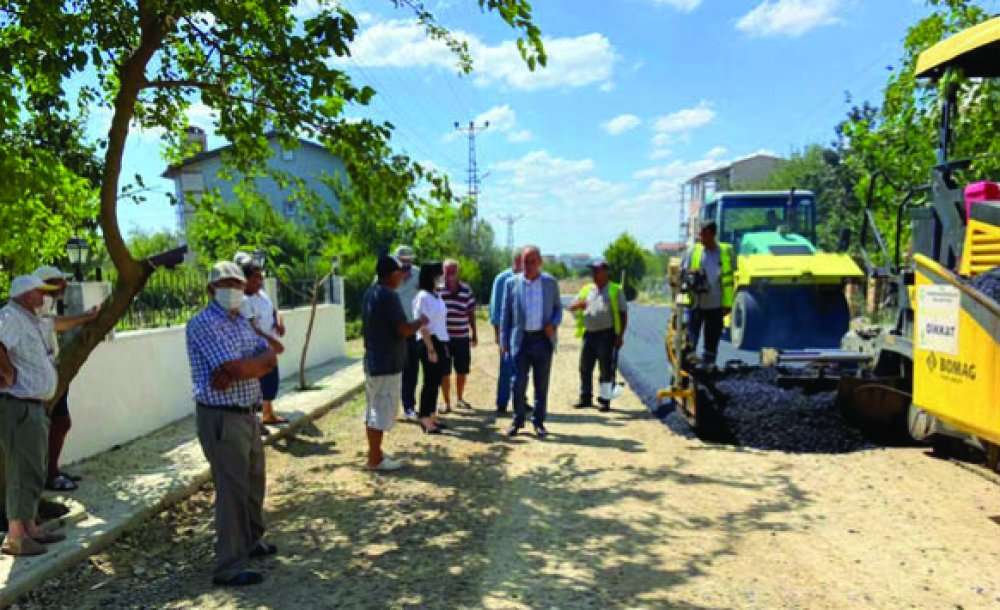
{"x": 170, "y": 298}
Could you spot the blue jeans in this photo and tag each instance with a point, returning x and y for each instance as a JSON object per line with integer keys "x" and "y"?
{"x": 505, "y": 382}
{"x": 535, "y": 356}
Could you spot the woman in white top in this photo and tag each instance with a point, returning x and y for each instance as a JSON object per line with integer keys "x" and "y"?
{"x": 433, "y": 346}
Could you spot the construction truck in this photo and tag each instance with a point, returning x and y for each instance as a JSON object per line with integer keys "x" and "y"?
{"x": 934, "y": 374}
{"x": 788, "y": 294}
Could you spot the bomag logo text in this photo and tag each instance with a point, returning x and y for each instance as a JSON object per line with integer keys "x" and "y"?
{"x": 957, "y": 368}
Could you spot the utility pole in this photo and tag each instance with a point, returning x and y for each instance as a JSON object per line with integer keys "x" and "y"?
{"x": 510, "y": 220}
{"x": 471, "y": 131}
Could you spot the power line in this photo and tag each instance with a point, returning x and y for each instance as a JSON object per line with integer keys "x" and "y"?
{"x": 510, "y": 220}
{"x": 473, "y": 178}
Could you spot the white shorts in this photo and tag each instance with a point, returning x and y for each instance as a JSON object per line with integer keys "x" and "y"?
{"x": 384, "y": 393}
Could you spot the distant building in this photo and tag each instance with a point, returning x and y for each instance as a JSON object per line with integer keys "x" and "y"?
{"x": 669, "y": 248}
{"x": 200, "y": 174}
{"x": 732, "y": 177}
{"x": 548, "y": 259}
{"x": 575, "y": 262}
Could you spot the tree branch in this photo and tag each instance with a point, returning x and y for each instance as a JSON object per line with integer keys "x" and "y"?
{"x": 168, "y": 84}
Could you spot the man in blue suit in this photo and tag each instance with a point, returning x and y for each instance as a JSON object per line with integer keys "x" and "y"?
{"x": 532, "y": 311}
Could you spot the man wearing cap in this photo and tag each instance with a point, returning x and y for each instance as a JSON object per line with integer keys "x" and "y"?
{"x": 386, "y": 331}
{"x": 601, "y": 318}
{"x": 27, "y": 382}
{"x": 227, "y": 359}
{"x": 264, "y": 317}
{"x": 716, "y": 262}
{"x": 409, "y": 285}
{"x": 59, "y": 419}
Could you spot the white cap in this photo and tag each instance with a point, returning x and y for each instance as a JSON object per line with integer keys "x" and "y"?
{"x": 48, "y": 272}
{"x": 225, "y": 270}
{"x": 242, "y": 258}
{"x": 24, "y": 284}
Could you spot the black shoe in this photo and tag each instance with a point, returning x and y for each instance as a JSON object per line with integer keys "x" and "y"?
{"x": 263, "y": 549}
{"x": 242, "y": 579}
{"x": 604, "y": 405}
{"x": 583, "y": 404}
{"x": 49, "y": 510}
{"x": 500, "y": 413}
{"x": 513, "y": 430}
{"x": 540, "y": 431}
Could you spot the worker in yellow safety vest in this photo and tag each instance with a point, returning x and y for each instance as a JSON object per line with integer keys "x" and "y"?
{"x": 714, "y": 300}
{"x": 601, "y": 317}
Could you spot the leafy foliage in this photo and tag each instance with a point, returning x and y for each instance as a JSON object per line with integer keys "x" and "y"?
{"x": 625, "y": 255}
{"x": 898, "y": 139}
{"x": 147, "y": 61}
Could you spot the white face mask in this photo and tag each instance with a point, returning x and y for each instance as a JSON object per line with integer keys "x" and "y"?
{"x": 229, "y": 298}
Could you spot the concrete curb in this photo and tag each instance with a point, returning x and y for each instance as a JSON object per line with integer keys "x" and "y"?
{"x": 96, "y": 542}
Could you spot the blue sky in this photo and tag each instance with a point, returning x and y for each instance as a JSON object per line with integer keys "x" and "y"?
{"x": 638, "y": 96}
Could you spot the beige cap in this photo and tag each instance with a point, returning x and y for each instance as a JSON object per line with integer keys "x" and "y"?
{"x": 225, "y": 270}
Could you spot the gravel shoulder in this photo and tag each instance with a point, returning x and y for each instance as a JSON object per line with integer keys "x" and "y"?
{"x": 613, "y": 510}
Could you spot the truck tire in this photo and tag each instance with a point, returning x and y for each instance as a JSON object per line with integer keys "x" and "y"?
{"x": 747, "y": 321}
{"x": 834, "y": 320}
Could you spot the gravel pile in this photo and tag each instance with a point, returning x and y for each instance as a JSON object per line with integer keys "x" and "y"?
{"x": 757, "y": 413}
{"x": 988, "y": 283}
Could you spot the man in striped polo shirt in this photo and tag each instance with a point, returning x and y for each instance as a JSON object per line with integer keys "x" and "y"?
{"x": 461, "y": 304}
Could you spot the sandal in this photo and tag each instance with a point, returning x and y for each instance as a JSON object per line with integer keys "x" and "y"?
{"x": 72, "y": 477}
{"x": 61, "y": 483}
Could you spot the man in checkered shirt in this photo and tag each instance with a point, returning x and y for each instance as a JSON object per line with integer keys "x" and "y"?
{"x": 227, "y": 359}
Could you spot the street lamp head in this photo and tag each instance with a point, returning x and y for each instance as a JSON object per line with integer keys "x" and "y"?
{"x": 77, "y": 250}
{"x": 259, "y": 258}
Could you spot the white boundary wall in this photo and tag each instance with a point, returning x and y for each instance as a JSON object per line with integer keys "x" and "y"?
{"x": 140, "y": 381}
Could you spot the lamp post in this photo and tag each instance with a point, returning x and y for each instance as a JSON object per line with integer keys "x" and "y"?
{"x": 77, "y": 250}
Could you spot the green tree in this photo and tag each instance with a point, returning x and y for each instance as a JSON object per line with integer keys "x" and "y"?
{"x": 149, "y": 60}
{"x": 557, "y": 269}
{"x": 820, "y": 170}
{"x": 897, "y": 140}
{"x": 626, "y": 256}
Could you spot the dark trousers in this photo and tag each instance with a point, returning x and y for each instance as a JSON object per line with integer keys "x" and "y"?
{"x": 505, "y": 381}
{"x": 711, "y": 320}
{"x": 24, "y": 435}
{"x": 433, "y": 373}
{"x": 598, "y": 348}
{"x": 411, "y": 368}
{"x": 535, "y": 356}
{"x": 231, "y": 443}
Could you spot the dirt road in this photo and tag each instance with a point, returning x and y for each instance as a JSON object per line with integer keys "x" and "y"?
{"x": 611, "y": 511}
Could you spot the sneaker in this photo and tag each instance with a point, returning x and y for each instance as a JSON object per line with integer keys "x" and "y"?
{"x": 462, "y": 404}
{"x": 605, "y": 406}
{"x": 410, "y": 414}
{"x": 388, "y": 465}
{"x": 540, "y": 431}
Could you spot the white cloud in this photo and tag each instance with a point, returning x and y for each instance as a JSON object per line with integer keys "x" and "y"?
{"x": 685, "y": 120}
{"x": 501, "y": 119}
{"x": 789, "y": 17}
{"x": 621, "y": 123}
{"x": 660, "y": 153}
{"x": 717, "y": 152}
{"x": 305, "y": 9}
{"x": 541, "y": 183}
{"x": 522, "y": 135}
{"x": 684, "y": 6}
{"x": 676, "y": 126}
{"x": 572, "y": 61}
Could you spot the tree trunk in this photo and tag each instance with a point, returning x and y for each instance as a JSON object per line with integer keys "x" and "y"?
{"x": 312, "y": 318}
{"x": 132, "y": 274}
